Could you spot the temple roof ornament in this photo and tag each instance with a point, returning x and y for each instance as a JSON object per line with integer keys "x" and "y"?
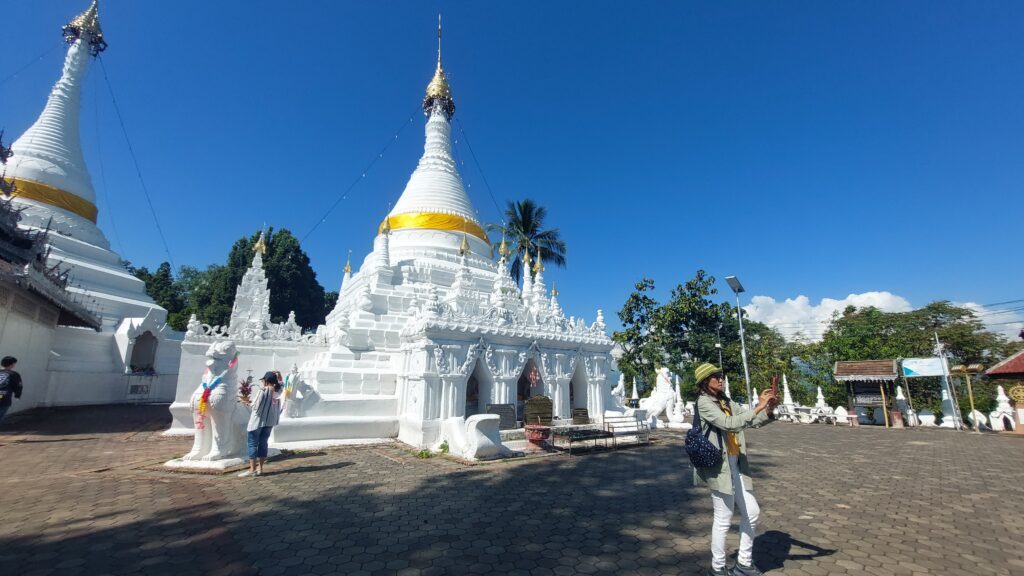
{"x": 538, "y": 266}
{"x": 503, "y": 250}
{"x": 464, "y": 246}
{"x": 261, "y": 245}
{"x": 348, "y": 264}
{"x": 435, "y": 197}
{"x": 87, "y": 23}
{"x": 438, "y": 91}
{"x": 49, "y": 167}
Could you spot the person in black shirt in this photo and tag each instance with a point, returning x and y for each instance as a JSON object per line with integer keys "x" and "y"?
{"x": 10, "y": 384}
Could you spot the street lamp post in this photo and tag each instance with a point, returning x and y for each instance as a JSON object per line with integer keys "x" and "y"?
{"x": 966, "y": 372}
{"x": 737, "y": 288}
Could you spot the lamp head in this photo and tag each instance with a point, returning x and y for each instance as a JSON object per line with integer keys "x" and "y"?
{"x": 734, "y": 283}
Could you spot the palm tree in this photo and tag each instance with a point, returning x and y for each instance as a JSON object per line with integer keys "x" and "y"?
{"x": 523, "y": 228}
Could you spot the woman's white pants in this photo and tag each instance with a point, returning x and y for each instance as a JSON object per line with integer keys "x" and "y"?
{"x": 724, "y": 504}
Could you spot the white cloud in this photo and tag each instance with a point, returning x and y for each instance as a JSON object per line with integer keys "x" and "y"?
{"x": 795, "y": 317}
{"x": 1005, "y": 320}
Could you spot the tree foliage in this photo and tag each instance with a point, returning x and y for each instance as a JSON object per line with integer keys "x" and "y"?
{"x": 871, "y": 334}
{"x": 210, "y": 293}
{"x": 683, "y": 332}
{"x": 524, "y": 230}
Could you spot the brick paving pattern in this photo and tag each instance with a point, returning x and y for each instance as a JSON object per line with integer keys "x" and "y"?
{"x": 79, "y": 495}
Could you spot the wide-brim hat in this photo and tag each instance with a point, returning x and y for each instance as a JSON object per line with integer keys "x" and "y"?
{"x": 704, "y": 370}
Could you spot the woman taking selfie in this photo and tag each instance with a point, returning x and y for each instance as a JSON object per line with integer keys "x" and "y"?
{"x": 729, "y": 481}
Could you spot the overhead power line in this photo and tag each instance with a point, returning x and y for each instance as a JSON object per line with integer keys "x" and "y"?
{"x": 135, "y": 160}
{"x": 361, "y": 176}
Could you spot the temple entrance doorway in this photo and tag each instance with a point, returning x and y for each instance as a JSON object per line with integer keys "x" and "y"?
{"x": 578, "y": 394}
{"x": 530, "y": 384}
{"x": 143, "y": 353}
{"x": 478, "y": 390}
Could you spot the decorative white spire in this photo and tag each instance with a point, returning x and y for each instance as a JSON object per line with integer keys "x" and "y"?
{"x": 251, "y": 310}
{"x": 48, "y": 165}
{"x": 435, "y": 197}
{"x": 556, "y": 308}
{"x": 348, "y": 273}
{"x": 820, "y": 403}
{"x": 527, "y": 278}
{"x": 787, "y": 399}
{"x": 539, "y": 300}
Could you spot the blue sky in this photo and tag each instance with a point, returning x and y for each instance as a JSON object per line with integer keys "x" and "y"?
{"x": 811, "y": 148}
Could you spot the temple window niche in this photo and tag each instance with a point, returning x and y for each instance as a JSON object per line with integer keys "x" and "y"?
{"x": 478, "y": 390}
{"x": 530, "y": 384}
{"x": 143, "y": 354}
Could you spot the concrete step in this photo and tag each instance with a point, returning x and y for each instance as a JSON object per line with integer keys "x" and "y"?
{"x": 323, "y": 429}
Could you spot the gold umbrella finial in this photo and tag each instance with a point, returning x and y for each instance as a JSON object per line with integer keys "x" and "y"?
{"x": 261, "y": 245}
{"x": 348, "y": 264}
{"x": 503, "y": 250}
{"x": 538, "y": 266}
{"x": 438, "y": 91}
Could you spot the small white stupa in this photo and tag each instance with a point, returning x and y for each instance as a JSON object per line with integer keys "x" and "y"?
{"x": 1001, "y": 418}
{"x": 820, "y": 402}
{"x": 948, "y": 411}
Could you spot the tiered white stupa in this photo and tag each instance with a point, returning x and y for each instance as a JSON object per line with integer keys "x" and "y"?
{"x": 128, "y": 359}
{"x": 431, "y": 329}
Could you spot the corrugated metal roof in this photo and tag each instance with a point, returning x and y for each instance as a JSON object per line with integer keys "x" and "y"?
{"x": 865, "y": 370}
{"x": 1012, "y": 366}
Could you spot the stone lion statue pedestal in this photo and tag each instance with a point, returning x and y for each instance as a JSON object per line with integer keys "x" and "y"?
{"x": 220, "y": 417}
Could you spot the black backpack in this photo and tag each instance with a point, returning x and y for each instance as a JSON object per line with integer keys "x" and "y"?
{"x": 702, "y": 453}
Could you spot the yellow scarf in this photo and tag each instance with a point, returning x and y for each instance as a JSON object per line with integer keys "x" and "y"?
{"x": 732, "y": 441}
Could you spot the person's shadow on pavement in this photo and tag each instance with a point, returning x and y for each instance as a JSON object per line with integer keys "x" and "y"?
{"x": 773, "y": 548}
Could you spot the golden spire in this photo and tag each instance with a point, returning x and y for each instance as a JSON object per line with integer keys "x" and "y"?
{"x": 503, "y": 250}
{"x": 348, "y": 264}
{"x": 87, "y": 22}
{"x": 464, "y": 245}
{"x": 261, "y": 245}
{"x": 538, "y": 266}
{"x": 438, "y": 89}
{"x": 386, "y": 229}
{"x": 554, "y": 290}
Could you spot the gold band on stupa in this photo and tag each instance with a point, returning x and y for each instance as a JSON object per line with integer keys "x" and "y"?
{"x": 39, "y": 192}
{"x": 434, "y": 221}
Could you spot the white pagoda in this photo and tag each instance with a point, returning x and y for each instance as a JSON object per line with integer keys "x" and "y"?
{"x": 430, "y": 329}
{"x": 129, "y": 359}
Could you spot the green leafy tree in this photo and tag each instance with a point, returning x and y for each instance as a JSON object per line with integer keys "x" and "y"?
{"x": 162, "y": 288}
{"x": 291, "y": 279}
{"x": 524, "y": 229}
{"x": 871, "y": 334}
{"x": 679, "y": 334}
{"x": 210, "y": 293}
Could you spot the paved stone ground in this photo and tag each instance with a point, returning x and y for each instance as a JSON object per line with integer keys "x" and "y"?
{"x": 79, "y": 495}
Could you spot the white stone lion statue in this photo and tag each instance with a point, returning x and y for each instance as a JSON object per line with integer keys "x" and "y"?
{"x": 220, "y": 419}
{"x": 662, "y": 399}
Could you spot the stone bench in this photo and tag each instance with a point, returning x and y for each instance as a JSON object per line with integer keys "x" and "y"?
{"x": 627, "y": 426}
